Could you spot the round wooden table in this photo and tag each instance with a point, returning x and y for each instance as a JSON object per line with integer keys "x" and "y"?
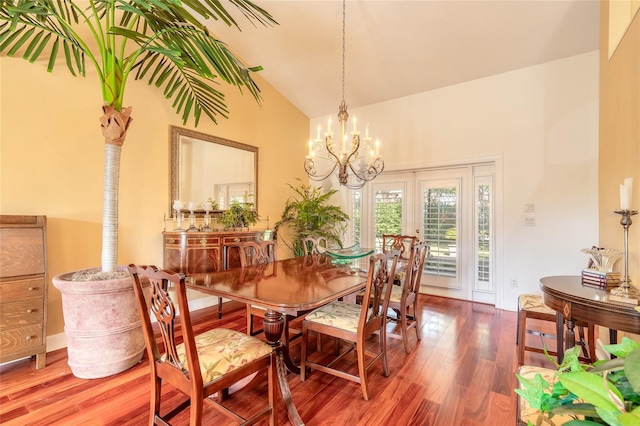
{"x": 573, "y": 302}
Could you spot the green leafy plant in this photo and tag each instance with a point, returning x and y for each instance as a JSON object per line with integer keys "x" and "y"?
{"x": 239, "y": 215}
{"x": 607, "y": 392}
{"x": 162, "y": 41}
{"x": 311, "y": 215}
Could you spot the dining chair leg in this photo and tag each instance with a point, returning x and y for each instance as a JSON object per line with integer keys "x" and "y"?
{"x": 156, "y": 392}
{"x": 383, "y": 346}
{"x": 404, "y": 330}
{"x": 272, "y": 375}
{"x": 303, "y": 353}
{"x": 521, "y": 336}
{"x": 362, "y": 370}
{"x": 417, "y": 317}
{"x": 249, "y": 321}
{"x": 195, "y": 410}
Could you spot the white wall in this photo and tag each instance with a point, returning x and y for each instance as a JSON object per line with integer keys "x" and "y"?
{"x": 541, "y": 123}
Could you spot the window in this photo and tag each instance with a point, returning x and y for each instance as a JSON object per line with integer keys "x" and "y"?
{"x": 483, "y": 234}
{"x": 388, "y": 214}
{"x": 440, "y": 229}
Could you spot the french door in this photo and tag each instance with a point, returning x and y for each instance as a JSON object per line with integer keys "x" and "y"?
{"x": 451, "y": 208}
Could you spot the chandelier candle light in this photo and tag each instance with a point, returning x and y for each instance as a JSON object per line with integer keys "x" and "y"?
{"x": 626, "y": 290}
{"x": 349, "y": 152}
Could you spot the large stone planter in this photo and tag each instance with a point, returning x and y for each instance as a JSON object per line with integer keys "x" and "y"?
{"x": 102, "y": 325}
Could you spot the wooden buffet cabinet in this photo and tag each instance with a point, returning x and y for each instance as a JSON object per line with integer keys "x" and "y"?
{"x": 23, "y": 288}
{"x": 194, "y": 252}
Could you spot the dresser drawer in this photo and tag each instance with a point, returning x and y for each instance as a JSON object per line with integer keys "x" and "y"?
{"x": 18, "y": 339}
{"x": 173, "y": 240}
{"x": 21, "y": 251}
{"x": 21, "y": 289}
{"x": 236, "y": 239}
{"x": 202, "y": 241}
{"x": 21, "y": 313}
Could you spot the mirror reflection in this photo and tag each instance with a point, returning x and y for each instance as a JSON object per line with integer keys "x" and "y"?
{"x": 205, "y": 167}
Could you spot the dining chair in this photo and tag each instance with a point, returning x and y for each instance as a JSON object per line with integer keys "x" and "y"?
{"x": 353, "y": 324}
{"x": 314, "y": 245}
{"x": 202, "y": 365}
{"x": 531, "y": 306}
{"x": 404, "y": 299}
{"x": 403, "y": 243}
{"x": 254, "y": 253}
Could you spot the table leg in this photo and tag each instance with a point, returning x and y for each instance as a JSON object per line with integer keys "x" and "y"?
{"x": 273, "y": 324}
{"x": 570, "y": 337}
{"x": 560, "y": 336}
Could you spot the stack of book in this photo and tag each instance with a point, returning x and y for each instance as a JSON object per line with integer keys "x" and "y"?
{"x": 600, "y": 279}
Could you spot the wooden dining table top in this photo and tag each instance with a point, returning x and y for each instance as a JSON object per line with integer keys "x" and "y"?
{"x": 290, "y": 286}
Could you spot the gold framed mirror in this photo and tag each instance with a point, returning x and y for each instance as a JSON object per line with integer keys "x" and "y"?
{"x": 206, "y": 167}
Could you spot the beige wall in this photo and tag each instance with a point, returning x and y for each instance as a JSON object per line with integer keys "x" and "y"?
{"x": 619, "y": 155}
{"x": 51, "y": 161}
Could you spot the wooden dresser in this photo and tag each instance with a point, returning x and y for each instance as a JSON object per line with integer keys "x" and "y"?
{"x": 23, "y": 288}
{"x": 195, "y": 252}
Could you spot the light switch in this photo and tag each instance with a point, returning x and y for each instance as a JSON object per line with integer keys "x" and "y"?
{"x": 529, "y": 221}
{"x": 529, "y": 208}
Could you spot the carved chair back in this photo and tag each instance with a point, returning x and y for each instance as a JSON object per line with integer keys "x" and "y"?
{"x": 314, "y": 245}
{"x": 403, "y": 243}
{"x": 254, "y": 253}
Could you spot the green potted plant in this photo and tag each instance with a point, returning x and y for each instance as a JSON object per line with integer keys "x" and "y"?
{"x": 607, "y": 392}
{"x": 164, "y": 42}
{"x": 238, "y": 215}
{"x": 311, "y": 215}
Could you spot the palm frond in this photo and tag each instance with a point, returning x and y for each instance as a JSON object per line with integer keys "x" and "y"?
{"x": 188, "y": 89}
{"x": 30, "y": 21}
{"x": 193, "y": 61}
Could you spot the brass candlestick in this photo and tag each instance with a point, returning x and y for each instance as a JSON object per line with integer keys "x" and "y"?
{"x": 625, "y": 289}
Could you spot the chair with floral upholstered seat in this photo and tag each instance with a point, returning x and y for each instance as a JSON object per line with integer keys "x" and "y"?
{"x": 202, "y": 365}
{"x": 531, "y": 306}
{"x": 353, "y": 324}
{"x": 528, "y": 415}
{"x": 404, "y": 298}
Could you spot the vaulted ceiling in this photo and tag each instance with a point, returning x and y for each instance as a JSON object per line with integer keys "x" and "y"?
{"x": 396, "y": 48}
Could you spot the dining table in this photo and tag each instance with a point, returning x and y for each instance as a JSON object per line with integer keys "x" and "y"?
{"x": 286, "y": 287}
{"x": 575, "y": 302}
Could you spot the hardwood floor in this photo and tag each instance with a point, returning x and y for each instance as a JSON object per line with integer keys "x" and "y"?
{"x": 461, "y": 373}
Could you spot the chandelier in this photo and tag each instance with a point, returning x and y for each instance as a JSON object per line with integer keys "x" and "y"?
{"x": 357, "y": 160}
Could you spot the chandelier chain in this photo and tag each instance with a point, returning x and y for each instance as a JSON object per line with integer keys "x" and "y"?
{"x": 344, "y": 19}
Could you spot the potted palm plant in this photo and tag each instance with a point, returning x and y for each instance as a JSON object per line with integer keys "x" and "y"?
{"x": 165, "y": 43}
{"x": 309, "y": 214}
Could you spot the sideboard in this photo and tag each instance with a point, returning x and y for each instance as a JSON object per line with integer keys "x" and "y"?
{"x": 23, "y": 288}
{"x": 195, "y": 252}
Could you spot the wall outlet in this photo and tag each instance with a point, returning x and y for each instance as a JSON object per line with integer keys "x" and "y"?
{"x": 529, "y": 221}
{"x": 514, "y": 282}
